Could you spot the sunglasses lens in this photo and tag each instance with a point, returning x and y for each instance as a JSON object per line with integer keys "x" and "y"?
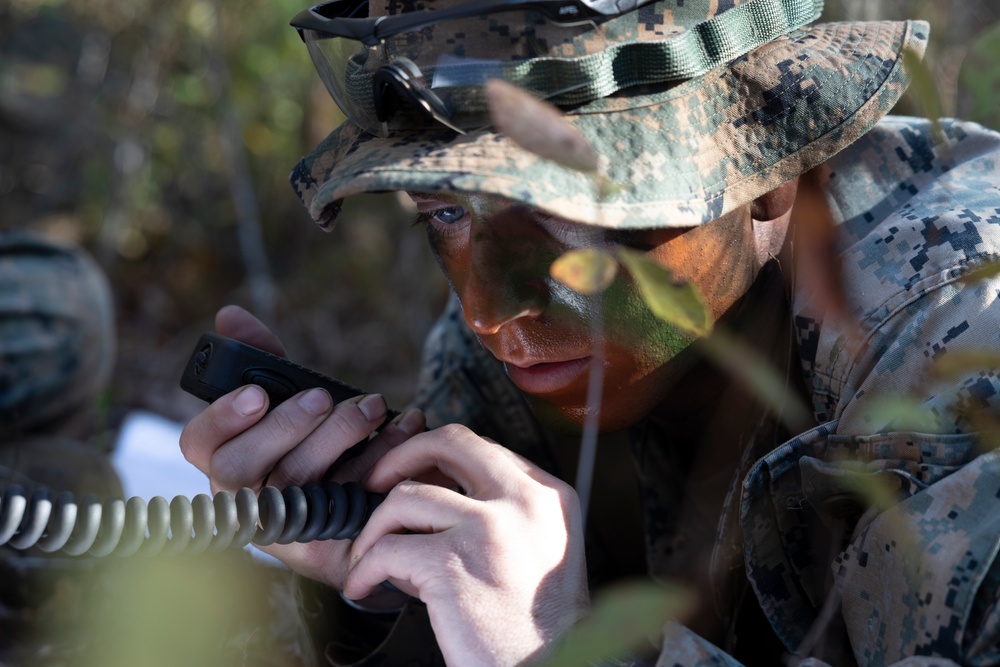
{"x": 434, "y": 76}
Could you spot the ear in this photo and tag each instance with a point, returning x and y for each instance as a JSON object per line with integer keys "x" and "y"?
{"x": 775, "y": 203}
{"x": 769, "y": 216}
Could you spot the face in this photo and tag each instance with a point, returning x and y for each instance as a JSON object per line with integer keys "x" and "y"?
{"x": 496, "y": 256}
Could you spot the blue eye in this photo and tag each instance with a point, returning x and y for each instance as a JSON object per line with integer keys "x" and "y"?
{"x": 449, "y": 215}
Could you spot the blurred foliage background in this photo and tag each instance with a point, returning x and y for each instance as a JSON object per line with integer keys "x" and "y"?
{"x": 159, "y": 134}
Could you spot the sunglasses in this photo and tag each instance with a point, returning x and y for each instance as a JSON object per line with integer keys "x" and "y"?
{"x": 426, "y": 69}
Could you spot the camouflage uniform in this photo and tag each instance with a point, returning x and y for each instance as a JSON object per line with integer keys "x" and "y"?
{"x": 915, "y": 581}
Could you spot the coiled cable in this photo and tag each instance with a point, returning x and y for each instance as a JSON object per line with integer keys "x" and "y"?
{"x": 58, "y": 522}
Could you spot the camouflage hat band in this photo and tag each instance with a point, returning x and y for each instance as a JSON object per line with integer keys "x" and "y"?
{"x": 682, "y": 156}
{"x": 596, "y": 63}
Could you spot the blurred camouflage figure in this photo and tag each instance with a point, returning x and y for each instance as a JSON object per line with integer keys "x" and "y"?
{"x": 57, "y": 350}
{"x": 57, "y": 331}
{"x": 847, "y": 537}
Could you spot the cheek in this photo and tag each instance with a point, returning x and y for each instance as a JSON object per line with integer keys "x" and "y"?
{"x": 641, "y": 364}
{"x": 451, "y": 257}
{"x": 637, "y": 341}
{"x": 718, "y": 259}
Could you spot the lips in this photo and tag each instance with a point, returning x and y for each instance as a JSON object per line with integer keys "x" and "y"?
{"x": 548, "y": 378}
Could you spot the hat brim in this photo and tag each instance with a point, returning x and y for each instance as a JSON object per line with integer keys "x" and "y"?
{"x": 678, "y": 158}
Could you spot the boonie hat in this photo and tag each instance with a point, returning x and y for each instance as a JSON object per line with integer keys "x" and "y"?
{"x": 724, "y": 103}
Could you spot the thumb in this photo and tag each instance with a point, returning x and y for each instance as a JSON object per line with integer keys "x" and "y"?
{"x": 235, "y": 322}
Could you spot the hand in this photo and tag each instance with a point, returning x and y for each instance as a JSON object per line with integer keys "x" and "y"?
{"x": 500, "y": 564}
{"x": 237, "y": 444}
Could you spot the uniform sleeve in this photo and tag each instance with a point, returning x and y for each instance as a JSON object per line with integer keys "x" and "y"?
{"x": 917, "y": 490}
{"x": 918, "y": 577}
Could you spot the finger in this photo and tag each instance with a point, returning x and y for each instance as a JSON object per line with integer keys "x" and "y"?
{"x": 406, "y": 425}
{"x": 398, "y": 559}
{"x": 222, "y": 420}
{"x": 349, "y": 423}
{"x": 235, "y": 322}
{"x": 417, "y": 508}
{"x": 246, "y": 459}
{"x": 476, "y": 465}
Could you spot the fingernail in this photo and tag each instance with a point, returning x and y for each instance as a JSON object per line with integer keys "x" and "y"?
{"x": 373, "y": 406}
{"x": 409, "y": 420}
{"x": 316, "y": 401}
{"x": 249, "y": 401}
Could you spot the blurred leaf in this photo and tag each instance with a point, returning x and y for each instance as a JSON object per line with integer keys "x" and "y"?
{"x": 39, "y": 79}
{"x": 201, "y": 18}
{"x": 587, "y": 270}
{"x": 983, "y": 272}
{"x": 677, "y": 304}
{"x": 900, "y": 412}
{"x": 538, "y": 127}
{"x": 820, "y": 260}
{"x": 957, "y": 363}
{"x": 756, "y": 373}
{"x": 986, "y": 427}
{"x": 623, "y": 621}
{"x": 980, "y": 73}
{"x": 923, "y": 88}
{"x": 606, "y": 187}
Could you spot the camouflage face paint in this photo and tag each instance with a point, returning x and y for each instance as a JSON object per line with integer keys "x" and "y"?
{"x": 496, "y": 256}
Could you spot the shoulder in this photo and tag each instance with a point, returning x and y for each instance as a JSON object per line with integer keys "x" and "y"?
{"x": 918, "y": 210}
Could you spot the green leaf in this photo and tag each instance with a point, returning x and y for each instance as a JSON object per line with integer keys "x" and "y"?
{"x": 983, "y": 272}
{"x": 980, "y": 74}
{"x": 923, "y": 88}
{"x": 958, "y": 363}
{"x": 677, "y": 304}
{"x": 587, "y": 270}
{"x": 623, "y": 620}
{"x": 900, "y": 412}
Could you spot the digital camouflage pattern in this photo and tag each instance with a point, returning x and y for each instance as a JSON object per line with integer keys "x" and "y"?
{"x": 57, "y": 332}
{"x": 912, "y": 582}
{"x": 680, "y": 156}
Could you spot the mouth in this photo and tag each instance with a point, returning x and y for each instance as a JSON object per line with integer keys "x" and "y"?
{"x": 548, "y": 377}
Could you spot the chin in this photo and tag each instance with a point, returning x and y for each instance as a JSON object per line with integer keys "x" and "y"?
{"x": 570, "y": 419}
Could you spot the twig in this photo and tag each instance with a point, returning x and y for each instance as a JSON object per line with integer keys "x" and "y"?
{"x": 263, "y": 291}
{"x": 591, "y": 423}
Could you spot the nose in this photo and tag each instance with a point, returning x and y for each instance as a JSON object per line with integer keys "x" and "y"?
{"x": 508, "y": 271}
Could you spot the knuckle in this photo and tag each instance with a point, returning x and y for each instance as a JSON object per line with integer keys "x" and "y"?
{"x": 404, "y": 492}
{"x": 348, "y": 421}
{"x": 292, "y": 472}
{"x": 189, "y": 445}
{"x": 380, "y": 554}
{"x": 227, "y": 472}
{"x": 454, "y": 431}
{"x": 279, "y": 424}
{"x": 198, "y": 433}
{"x": 485, "y": 516}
